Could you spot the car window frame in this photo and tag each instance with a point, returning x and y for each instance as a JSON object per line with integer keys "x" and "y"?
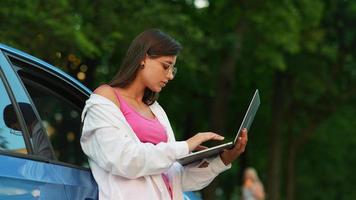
{"x": 17, "y": 110}
{"x": 9, "y": 56}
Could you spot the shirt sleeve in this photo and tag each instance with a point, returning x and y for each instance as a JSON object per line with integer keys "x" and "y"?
{"x": 195, "y": 178}
{"x": 112, "y": 147}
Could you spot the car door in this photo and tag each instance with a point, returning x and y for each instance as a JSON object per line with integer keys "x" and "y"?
{"x": 45, "y": 161}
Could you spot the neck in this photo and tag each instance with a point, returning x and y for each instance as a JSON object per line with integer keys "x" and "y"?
{"x": 134, "y": 91}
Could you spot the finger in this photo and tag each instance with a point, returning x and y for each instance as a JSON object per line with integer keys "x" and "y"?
{"x": 200, "y": 147}
{"x": 242, "y": 146}
{"x": 243, "y": 133}
{"x": 203, "y": 147}
{"x": 238, "y": 145}
{"x": 211, "y": 136}
{"x": 215, "y": 136}
{"x": 243, "y": 137}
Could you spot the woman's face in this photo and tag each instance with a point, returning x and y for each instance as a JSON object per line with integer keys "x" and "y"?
{"x": 157, "y": 72}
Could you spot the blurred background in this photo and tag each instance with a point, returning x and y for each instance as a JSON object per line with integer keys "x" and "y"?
{"x": 300, "y": 54}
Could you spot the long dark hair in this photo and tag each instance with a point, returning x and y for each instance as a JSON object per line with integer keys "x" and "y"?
{"x": 152, "y": 42}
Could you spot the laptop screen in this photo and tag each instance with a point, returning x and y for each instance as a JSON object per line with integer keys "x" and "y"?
{"x": 250, "y": 114}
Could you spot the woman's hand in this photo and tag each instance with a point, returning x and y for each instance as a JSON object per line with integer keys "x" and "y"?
{"x": 195, "y": 141}
{"x": 229, "y": 155}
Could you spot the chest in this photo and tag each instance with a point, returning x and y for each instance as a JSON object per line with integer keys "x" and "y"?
{"x": 145, "y": 124}
{"x": 147, "y": 131}
{"x": 140, "y": 108}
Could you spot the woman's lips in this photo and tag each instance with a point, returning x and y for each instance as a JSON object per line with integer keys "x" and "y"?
{"x": 163, "y": 84}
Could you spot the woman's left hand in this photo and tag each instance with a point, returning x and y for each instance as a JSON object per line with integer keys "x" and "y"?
{"x": 229, "y": 155}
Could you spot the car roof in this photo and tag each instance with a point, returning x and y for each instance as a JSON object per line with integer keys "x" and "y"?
{"x": 46, "y": 66}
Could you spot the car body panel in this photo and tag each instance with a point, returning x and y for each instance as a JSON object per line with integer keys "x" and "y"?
{"x": 21, "y": 178}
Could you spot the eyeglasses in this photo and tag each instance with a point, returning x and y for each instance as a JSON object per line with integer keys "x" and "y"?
{"x": 170, "y": 68}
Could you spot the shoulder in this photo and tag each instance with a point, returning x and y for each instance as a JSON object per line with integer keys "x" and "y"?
{"x": 108, "y": 92}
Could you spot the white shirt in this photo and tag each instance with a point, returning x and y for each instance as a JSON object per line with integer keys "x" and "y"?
{"x": 125, "y": 168}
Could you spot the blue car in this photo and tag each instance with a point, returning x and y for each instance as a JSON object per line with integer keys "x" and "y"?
{"x": 40, "y": 153}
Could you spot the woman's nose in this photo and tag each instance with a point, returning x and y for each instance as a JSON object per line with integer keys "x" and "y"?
{"x": 170, "y": 75}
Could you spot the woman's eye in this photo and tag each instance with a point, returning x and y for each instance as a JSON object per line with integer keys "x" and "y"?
{"x": 166, "y": 66}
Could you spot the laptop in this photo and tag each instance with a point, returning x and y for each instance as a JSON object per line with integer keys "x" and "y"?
{"x": 212, "y": 151}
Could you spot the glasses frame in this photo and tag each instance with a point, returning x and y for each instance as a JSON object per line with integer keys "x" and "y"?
{"x": 170, "y": 68}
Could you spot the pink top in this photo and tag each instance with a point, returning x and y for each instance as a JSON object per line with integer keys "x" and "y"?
{"x": 147, "y": 130}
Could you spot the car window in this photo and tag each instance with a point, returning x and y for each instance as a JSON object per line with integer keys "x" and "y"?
{"x": 60, "y": 119}
{"x": 59, "y": 113}
{"x": 11, "y": 138}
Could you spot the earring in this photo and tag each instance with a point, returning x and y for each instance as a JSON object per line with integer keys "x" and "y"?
{"x": 142, "y": 65}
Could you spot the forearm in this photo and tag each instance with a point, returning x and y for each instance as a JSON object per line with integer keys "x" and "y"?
{"x": 123, "y": 156}
{"x": 195, "y": 177}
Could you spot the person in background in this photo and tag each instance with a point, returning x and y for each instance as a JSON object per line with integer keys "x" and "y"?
{"x": 252, "y": 188}
{"x": 128, "y": 138}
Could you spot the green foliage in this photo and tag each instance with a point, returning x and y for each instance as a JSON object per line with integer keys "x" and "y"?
{"x": 325, "y": 170}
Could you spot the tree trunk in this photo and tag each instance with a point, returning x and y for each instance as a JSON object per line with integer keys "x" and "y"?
{"x": 224, "y": 86}
{"x": 275, "y": 141}
{"x": 290, "y": 179}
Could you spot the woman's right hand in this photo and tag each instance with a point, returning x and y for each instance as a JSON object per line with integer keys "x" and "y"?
{"x": 195, "y": 141}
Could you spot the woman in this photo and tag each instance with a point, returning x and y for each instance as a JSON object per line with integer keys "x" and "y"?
{"x": 252, "y": 188}
{"x": 128, "y": 138}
